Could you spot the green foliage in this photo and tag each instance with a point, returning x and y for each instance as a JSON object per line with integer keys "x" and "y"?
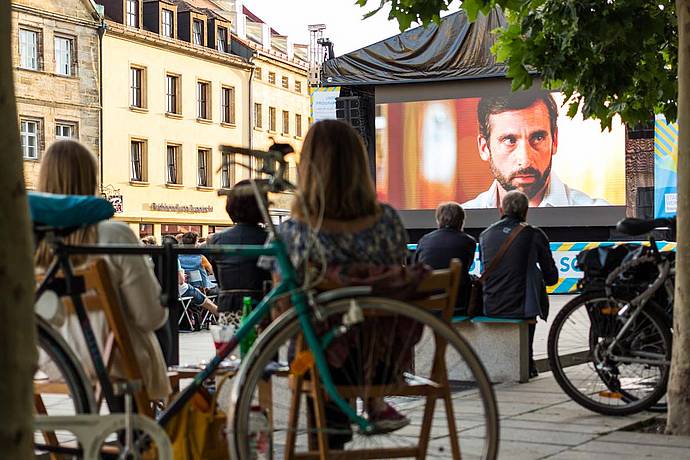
{"x": 609, "y": 57}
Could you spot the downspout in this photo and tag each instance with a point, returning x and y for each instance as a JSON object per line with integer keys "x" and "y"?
{"x": 250, "y": 117}
{"x": 101, "y": 33}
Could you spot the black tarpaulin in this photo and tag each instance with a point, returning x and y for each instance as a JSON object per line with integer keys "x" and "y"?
{"x": 455, "y": 49}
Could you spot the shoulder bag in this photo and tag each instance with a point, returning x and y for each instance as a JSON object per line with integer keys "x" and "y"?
{"x": 475, "y": 306}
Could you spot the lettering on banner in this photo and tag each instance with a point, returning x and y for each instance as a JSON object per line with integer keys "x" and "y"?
{"x": 166, "y": 207}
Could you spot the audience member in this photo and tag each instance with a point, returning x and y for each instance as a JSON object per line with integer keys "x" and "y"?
{"x": 516, "y": 288}
{"x": 449, "y": 242}
{"x": 68, "y": 167}
{"x": 239, "y": 276}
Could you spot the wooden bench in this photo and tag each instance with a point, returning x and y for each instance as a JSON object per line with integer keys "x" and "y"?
{"x": 502, "y": 345}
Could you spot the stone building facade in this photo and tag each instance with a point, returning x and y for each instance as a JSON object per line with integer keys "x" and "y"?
{"x": 55, "y": 47}
{"x": 177, "y": 85}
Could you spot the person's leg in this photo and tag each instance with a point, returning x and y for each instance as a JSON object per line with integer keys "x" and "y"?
{"x": 532, "y": 364}
{"x": 200, "y": 300}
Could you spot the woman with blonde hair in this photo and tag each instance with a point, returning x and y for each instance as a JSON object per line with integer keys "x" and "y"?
{"x": 68, "y": 167}
{"x": 338, "y": 208}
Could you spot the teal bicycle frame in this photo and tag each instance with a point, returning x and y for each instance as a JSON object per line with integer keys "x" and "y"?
{"x": 288, "y": 284}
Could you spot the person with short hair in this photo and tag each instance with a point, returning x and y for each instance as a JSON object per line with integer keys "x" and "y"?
{"x": 448, "y": 242}
{"x": 518, "y": 137}
{"x": 516, "y": 288}
{"x": 239, "y": 276}
{"x": 193, "y": 265}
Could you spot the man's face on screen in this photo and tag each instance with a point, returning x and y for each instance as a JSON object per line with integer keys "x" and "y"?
{"x": 519, "y": 148}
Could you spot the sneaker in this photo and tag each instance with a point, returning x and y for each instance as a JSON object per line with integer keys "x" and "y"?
{"x": 388, "y": 420}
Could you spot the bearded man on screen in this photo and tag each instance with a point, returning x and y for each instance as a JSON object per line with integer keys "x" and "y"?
{"x": 518, "y": 136}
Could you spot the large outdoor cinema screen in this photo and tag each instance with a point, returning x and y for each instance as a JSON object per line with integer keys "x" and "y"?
{"x": 471, "y": 150}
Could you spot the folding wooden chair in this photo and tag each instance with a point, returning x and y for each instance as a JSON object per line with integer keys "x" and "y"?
{"x": 442, "y": 289}
{"x": 101, "y": 295}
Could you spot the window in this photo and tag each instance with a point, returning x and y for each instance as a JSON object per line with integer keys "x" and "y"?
{"x": 132, "y": 13}
{"x": 257, "y": 73}
{"x": 285, "y": 82}
{"x": 271, "y": 118}
{"x": 258, "y": 118}
{"x": 64, "y": 56}
{"x": 204, "y": 171}
{"x": 227, "y": 105}
{"x": 227, "y": 171}
{"x": 28, "y": 49}
{"x": 286, "y": 122}
{"x": 172, "y": 94}
{"x": 137, "y": 153}
{"x": 29, "y": 132}
{"x": 173, "y": 165}
{"x": 202, "y": 102}
{"x": 168, "y": 23}
{"x": 65, "y": 130}
{"x": 272, "y": 78}
{"x": 197, "y": 32}
{"x": 298, "y": 86}
{"x": 136, "y": 87}
{"x": 298, "y": 125}
{"x": 222, "y": 39}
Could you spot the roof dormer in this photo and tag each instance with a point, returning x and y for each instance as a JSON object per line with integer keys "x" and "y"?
{"x": 160, "y": 16}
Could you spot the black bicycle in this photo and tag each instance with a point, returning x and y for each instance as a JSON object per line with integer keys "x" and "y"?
{"x": 610, "y": 347}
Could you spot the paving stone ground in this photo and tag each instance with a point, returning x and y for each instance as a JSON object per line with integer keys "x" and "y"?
{"x": 538, "y": 421}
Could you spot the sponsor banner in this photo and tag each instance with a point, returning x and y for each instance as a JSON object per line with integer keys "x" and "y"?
{"x": 565, "y": 257}
{"x": 665, "y": 167}
{"x": 323, "y": 103}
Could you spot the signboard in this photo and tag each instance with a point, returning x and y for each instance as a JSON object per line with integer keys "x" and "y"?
{"x": 665, "y": 167}
{"x": 167, "y": 207}
{"x": 117, "y": 202}
{"x": 323, "y": 103}
{"x": 565, "y": 256}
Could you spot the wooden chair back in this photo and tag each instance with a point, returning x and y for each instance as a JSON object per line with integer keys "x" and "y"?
{"x": 101, "y": 295}
{"x": 441, "y": 289}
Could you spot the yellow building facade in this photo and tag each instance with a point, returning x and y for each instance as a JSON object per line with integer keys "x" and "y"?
{"x": 169, "y": 102}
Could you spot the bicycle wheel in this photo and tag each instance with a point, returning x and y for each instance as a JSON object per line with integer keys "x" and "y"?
{"x": 396, "y": 344}
{"x": 627, "y": 379}
{"x": 60, "y": 385}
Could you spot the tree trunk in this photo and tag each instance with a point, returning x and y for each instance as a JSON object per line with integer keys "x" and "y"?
{"x": 679, "y": 385}
{"x": 17, "y": 346}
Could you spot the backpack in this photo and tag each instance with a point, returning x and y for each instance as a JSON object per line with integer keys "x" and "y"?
{"x": 597, "y": 263}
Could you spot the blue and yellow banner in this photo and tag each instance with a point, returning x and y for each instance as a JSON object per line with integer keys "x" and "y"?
{"x": 565, "y": 256}
{"x": 665, "y": 167}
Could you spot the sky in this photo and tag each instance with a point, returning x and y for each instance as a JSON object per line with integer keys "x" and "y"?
{"x": 343, "y": 19}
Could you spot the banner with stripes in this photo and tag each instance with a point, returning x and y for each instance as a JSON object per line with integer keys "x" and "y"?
{"x": 665, "y": 167}
{"x": 565, "y": 256}
{"x": 323, "y": 103}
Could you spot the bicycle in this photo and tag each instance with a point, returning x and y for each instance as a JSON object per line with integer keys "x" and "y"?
{"x": 322, "y": 321}
{"x": 610, "y": 347}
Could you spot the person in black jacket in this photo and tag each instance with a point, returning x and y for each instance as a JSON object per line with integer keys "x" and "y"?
{"x": 239, "y": 276}
{"x": 517, "y": 287}
{"x": 449, "y": 242}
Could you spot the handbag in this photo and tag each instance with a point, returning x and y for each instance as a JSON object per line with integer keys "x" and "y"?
{"x": 198, "y": 430}
{"x": 475, "y": 306}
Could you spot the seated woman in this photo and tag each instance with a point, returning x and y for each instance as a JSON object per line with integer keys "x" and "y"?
{"x": 239, "y": 276}
{"x": 68, "y": 167}
{"x": 193, "y": 265}
{"x": 334, "y": 179}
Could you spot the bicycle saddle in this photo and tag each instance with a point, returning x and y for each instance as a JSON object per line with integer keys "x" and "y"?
{"x": 65, "y": 211}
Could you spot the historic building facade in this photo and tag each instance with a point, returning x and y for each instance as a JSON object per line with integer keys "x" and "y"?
{"x": 177, "y": 85}
{"x": 55, "y": 47}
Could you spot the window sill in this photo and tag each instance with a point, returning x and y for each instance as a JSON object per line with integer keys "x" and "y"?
{"x": 66, "y": 77}
{"x": 229, "y": 125}
{"x": 299, "y": 138}
{"x": 33, "y": 160}
{"x": 29, "y": 69}
{"x": 174, "y": 186}
{"x": 138, "y": 183}
{"x": 205, "y": 121}
{"x": 138, "y": 109}
{"x": 272, "y": 131}
{"x": 176, "y": 116}
{"x": 204, "y": 188}
{"x": 256, "y": 128}
{"x": 285, "y": 134}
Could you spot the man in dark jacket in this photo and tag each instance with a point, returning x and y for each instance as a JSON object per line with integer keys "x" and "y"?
{"x": 516, "y": 288}
{"x": 449, "y": 242}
